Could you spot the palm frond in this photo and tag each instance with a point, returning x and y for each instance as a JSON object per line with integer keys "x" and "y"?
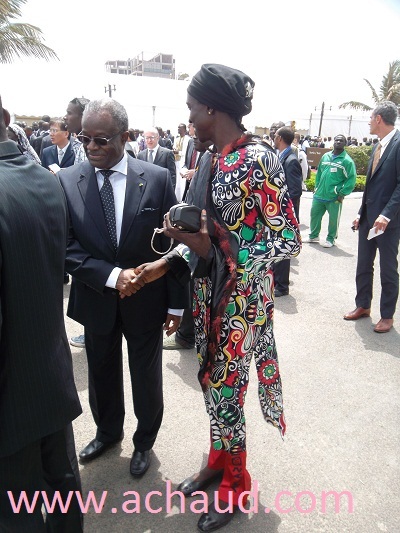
{"x": 375, "y": 96}
{"x": 394, "y": 94}
{"x": 20, "y": 39}
{"x": 357, "y": 106}
{"x": 10, "y": 9}
{"x": 390, "y": 79}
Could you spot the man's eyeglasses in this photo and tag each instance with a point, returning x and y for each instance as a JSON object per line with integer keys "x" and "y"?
{"x": 100, "y": 141}
{"x": 54, "y": 130}
{"x": 150, "y": 138}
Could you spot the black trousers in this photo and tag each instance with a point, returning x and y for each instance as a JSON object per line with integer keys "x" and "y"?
{"x": 106, "y": 393}
{"x": 185, "y": 333}
{"x": 281, "y": 269}
{"x": 48, "y": 464}
{"x": 388, "y": 246}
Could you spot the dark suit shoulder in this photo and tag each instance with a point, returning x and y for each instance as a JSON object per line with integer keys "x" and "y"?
{"x": 73, "y": 173}
{"x": 165, "y": 150}
{"x": 48, "y": 149}
{"x": 144, "y": 168}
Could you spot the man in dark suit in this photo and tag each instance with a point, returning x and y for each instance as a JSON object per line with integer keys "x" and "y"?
{"x": 37, "y": 142}
{"x": 115, "y": 202}
{"x": 38, "y": 398}
{"x": 283, "y": 139}
{"x": 61, "y": 152}
{"x": 380, "y": 211}
{"x": 159, "y": 155}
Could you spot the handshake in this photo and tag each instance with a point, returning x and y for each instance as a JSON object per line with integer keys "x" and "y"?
{"x": 131, "y": 280}
{"x": 185, "y": 230}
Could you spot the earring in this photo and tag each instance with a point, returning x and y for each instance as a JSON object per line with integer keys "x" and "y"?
{"x": 210, "y": 112}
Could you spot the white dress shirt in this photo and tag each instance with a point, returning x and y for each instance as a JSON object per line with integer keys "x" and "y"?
{"x": 154, "y": 152}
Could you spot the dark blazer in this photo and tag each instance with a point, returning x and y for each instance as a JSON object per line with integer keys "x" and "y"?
{"x": 293, "y": 173}
{"x": 189, "y": 152}
{"x": 91, "y": 257}
{"x": 382, "y": 189}
{"x": 37, "y": 391}
{"x": 46, "y": 142}
{"x": 37, "y": 143}
{"x": 50, "y": 156}
{"x": 164, "y": 158}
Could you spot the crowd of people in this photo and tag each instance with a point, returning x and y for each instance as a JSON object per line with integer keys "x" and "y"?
{"x": 97, "y": 190}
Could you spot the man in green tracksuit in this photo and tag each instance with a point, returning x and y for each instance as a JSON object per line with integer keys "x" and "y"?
{"x": 336, "y": 178}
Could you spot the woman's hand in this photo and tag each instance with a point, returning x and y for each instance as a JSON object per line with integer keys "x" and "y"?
{"x": 147, "y": 273}
{"x": 198, "y": 242}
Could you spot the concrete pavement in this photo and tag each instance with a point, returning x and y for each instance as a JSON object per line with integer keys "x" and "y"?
{"x": 341, "y": 384}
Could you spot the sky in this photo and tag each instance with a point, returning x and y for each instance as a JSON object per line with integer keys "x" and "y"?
{"x": 300, "y": 53}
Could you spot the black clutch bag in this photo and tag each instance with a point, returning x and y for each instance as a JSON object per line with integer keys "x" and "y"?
{"x": 185, "y": 217}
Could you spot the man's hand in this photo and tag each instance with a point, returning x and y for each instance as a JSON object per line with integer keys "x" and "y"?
{"x": 171, "y": 324}
{"x": 188, "y": 175}
{"x": 124, "y": 285}
{"x": 199, "y": 242}
{"x": 340, "y": 198}
{"x": 147, "y": 273}
{"x": 380, "y": 223}
{"x": 356, "y": 223}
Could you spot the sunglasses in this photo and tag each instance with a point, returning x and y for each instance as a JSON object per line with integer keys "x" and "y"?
{"x": 100, "y": 141}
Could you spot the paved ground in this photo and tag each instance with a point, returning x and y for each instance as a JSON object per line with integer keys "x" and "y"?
{"x": 341, "y": 390}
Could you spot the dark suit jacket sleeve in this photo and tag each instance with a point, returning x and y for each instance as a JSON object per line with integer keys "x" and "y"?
{"x": 392, "y": 208}
{"x": 84, "y": 267}
{"x": 171, "y": 167}
{"x": 294, "y": 176}
{"x": 46, "y": 158}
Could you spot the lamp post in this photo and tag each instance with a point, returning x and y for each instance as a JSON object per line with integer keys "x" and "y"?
{"x": 322, "y": 116}
{"x": 109, "y": 89}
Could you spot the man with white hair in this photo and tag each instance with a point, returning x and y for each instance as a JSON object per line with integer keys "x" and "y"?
{"x": 154, "y": 153}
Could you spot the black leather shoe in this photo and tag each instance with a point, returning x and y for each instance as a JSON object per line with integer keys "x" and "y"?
{"x": 191, "y": 484}
{"x": 140, "y": 462}
{"x": 213, "y": 520}
{"x": 66, "y": 278}
{"x": 94, "y": 449}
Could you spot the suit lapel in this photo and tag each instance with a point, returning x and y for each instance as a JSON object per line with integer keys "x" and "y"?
{"x": 54, "y": 154}
{"x": 135, "y": 186}
{"x": 68, "y": 158}
{"x": 158, "y": 155}
{"x": 89, "y": 190}
{"x": 384, "y": 156}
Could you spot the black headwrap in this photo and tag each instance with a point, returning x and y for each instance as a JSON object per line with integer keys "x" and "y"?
{"x": 223, "y": 89}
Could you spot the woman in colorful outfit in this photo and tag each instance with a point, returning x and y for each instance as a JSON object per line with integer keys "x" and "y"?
{"x": 247, "y": 224}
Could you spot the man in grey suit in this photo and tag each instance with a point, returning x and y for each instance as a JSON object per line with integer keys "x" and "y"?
{"x": 38, "y": 398}
{"x": 380, "y": 211}
{"x": 159, "y": 155}
{"x": 115, "y": 202}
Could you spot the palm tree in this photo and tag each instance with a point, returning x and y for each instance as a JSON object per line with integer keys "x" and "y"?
{"x": 18, "y": 39}
{"x": 389, "y": 90}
